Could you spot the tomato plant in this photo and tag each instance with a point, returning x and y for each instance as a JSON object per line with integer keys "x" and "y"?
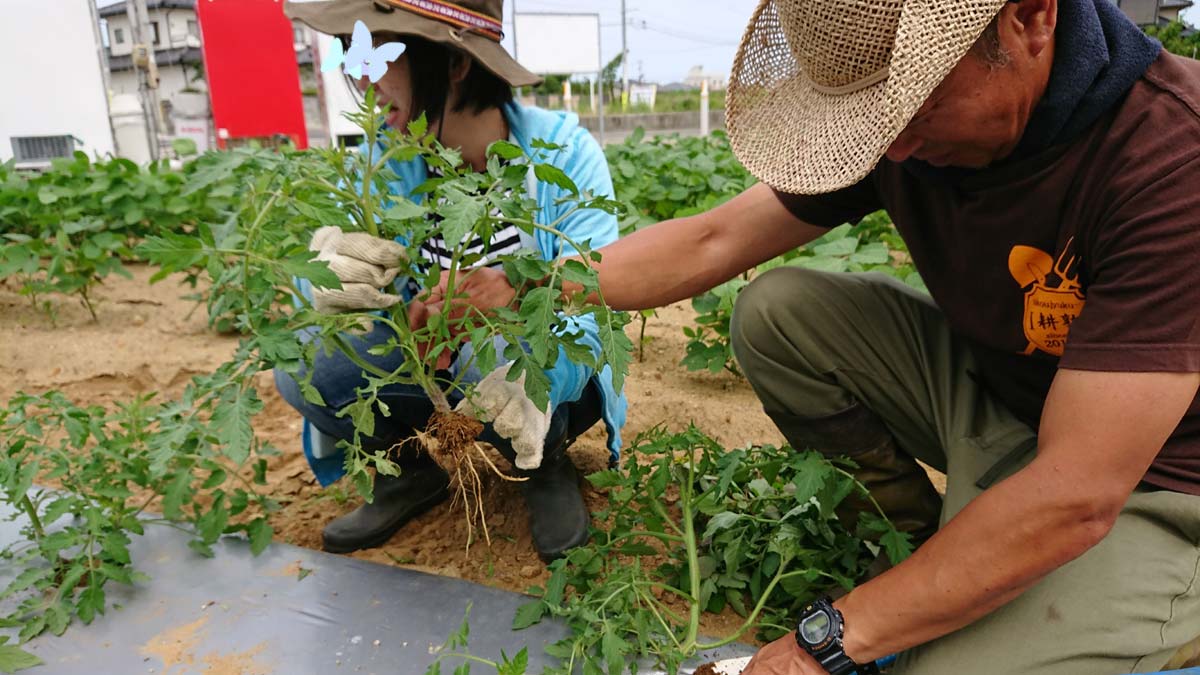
{"x": 696, "y": 528}
{"x": 257, "y": 259}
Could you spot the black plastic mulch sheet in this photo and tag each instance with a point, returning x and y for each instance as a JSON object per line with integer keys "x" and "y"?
{"x": 288, "y": 611}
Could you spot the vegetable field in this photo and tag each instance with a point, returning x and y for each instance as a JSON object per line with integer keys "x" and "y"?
{"x": 142, "y": 310}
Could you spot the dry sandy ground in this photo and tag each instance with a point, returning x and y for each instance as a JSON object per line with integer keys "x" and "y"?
{"x": 149, "y": 338}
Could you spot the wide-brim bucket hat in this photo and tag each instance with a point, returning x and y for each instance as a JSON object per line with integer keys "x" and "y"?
{"x": 821, "y": 88}
{"x": 474, "y": 26}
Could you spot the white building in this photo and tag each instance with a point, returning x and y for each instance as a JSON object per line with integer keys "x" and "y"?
{"x": 1149, "y": 12}
{"x": 176, "y": 37}
{"x": 1169, "y": 10}
{"x": 696, "y": 77}
{"x": 54, "y": 101}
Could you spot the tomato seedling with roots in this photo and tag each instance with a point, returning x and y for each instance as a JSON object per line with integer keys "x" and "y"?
{"x": 260, "y": 264}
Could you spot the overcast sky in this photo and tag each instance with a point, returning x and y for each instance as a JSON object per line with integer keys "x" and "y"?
{"x": 666, "y": 37}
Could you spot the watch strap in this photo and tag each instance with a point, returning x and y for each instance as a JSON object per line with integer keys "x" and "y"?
{"x": 838, "y": 663}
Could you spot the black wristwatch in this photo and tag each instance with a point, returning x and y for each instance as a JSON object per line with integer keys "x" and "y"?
{"x": 820, "y": 632}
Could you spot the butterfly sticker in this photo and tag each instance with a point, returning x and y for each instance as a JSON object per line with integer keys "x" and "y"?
{"x": 363, "y": 55}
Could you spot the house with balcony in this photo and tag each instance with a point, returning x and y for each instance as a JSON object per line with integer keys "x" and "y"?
{"x": 1154, "y": 12}
{"x": 175, "y": 37}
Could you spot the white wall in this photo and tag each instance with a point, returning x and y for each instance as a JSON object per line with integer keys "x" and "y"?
{"x": 120, "y": 22}
{"x": 51, "y": 89}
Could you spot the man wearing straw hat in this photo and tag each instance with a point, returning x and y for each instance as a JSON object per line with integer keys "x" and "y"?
{"x": 1042, "y": 160}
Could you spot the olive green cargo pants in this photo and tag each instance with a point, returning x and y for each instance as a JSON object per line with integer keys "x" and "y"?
{"x": 815, "y": 344}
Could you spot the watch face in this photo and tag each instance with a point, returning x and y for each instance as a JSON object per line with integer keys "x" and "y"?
{"x": 815, "y": 629}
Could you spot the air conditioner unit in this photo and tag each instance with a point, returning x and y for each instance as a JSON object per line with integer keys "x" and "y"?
{"x": 37, "y": 151}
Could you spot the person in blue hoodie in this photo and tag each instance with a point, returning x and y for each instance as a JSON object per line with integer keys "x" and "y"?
{"x": 455, "y": 72}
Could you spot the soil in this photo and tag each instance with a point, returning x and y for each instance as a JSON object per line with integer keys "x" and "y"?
{"x": 150, "y": 339}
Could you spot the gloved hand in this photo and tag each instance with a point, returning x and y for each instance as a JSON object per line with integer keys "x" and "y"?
{"x": 512, "y": 414}
{"x": 364, "y": 264}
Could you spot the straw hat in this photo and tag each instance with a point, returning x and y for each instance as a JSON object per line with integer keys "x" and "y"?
{"x": 474, "y": 26}
{"x": 821, "y": 88}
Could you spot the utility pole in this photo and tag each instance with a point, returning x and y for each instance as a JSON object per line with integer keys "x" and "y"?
{"x": 147, "y": 70}
{"x": 516, "y": 53}
{"x": 624, "y": 58}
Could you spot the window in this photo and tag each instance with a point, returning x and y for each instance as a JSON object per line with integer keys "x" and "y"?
{"x": 193, "y": 28}
{"x": 119, "y": 36}
{"x": 298, "y": 35}
{"x": 154, "y": 32}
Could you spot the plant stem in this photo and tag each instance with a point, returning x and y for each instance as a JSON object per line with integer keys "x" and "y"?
{"x": 642, "y": 340}
{"x": 31, "y": 511}
{"x": 762, "y": 602}
{"x": 693, "y": 554}
{"x": 88, "y": 303}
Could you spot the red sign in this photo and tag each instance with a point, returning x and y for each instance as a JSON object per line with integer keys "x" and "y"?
{"x": 253, "y": 77}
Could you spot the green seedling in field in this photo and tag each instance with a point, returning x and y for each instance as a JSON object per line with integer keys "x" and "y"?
{"x": 188, "y": 459}
{"x": 873, "y": 245}
{"x": 695, "y": 528}
{"x": 66, "y": 229}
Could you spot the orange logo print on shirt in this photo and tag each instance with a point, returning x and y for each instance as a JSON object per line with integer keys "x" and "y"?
{"x": 1054, "y": 298}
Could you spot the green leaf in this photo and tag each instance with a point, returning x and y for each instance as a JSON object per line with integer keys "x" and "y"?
{"x": 606, "y": 479}
{"x": 302, "y": 265}
{"x": 460, "y": 214}
{"x": 537, "y": 311}
{"x": 548, "y": 173}
{"x": 529, "y": 614}
{"x": 811, "y": 476}
{"x": 505, "y": 150}
{"x": 874, "y": 253}
{"x": 231, "y": 418}
{"x": 178, "y": 492}
{"x": 555, "y": 587}
{"x": 897, "y": 544}
{"x": 13, "y": 658}
{"x": 823, "y": 264}
{"x": 719, "y": 522}
{"x": 614, "y": 649}
{"x": 260, "y": 534}
{"x": 418, "y": 127}
{"x": 405, "y": 209}
{"x": 47, "y": 196}
{"x": 516, "y": 665}
{"x": 184, "y": 147}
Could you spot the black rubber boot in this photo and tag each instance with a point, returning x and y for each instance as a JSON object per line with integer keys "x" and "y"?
{"x": 421, "y": 485}
{"x": 558, "y": 518}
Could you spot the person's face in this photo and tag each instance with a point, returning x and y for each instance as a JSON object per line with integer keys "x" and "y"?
{"x": 393, "y": 89}
{"x": 966, "y": 122}
{"x": 978, "y": 114}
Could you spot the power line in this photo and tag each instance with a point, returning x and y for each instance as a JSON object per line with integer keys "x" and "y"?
{"x": 682, "y": 35}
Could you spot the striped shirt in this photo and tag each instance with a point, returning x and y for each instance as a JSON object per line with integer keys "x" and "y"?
{"x": 436, "y": 251}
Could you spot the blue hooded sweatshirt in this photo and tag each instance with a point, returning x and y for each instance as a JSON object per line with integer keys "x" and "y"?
{"x": 582, "y": 159}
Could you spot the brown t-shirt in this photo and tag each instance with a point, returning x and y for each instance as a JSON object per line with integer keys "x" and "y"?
{"x": 1086, "y": 256}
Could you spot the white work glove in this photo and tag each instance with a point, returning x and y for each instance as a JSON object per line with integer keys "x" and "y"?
{"x": 364, "y": 264}
{"x": 512, "y": 414}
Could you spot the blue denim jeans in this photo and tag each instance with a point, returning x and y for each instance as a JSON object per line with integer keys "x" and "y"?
{"x": 337, "y": 377}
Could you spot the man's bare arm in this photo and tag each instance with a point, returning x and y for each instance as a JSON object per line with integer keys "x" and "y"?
{"x": 679, "y": 259}
{"x": 1100, "y": 431}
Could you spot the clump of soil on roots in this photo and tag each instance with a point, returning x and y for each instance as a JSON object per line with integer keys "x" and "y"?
{"x": 450, "y": 441}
